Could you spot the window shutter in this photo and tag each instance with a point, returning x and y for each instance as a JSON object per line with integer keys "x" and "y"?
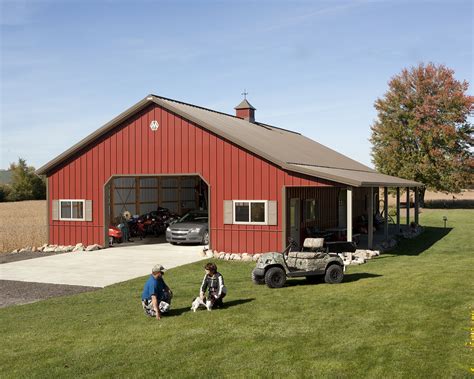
{"x": 272, "y": 213}
{"x": 88, "y": 210}
{"x": 55, "y": 210}
{"x": 228, "y": 212}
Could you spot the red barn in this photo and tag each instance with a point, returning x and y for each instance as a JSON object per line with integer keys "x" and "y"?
{"x": 260, "y": 184}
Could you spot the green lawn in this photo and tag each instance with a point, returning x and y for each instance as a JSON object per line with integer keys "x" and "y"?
{"x": 405, "y": 314}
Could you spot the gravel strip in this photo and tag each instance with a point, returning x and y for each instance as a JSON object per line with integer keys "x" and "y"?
{"x": 13, "y": 292}
{"x": 14, "y": 257}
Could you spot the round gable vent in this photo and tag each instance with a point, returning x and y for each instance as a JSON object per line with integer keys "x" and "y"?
{"x": 154, "y": 125}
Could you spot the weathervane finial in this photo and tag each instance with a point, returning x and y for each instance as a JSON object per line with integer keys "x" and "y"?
{"x": 245, "y": 93}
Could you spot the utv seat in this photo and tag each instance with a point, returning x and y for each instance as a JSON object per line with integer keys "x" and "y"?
{"x": 312, "y": 248}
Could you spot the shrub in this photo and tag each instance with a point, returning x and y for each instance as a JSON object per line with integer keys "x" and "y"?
{"x": 4, "y": 192}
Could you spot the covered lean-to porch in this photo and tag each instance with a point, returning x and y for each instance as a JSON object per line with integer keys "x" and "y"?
{"x": 342, "y": 213}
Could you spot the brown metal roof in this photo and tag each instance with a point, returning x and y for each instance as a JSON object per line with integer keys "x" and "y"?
{"x": 287, "y": 149}
{"x": 353, "y": 177}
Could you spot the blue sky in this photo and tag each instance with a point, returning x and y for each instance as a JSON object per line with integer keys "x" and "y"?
{"x": 68, "y": 67}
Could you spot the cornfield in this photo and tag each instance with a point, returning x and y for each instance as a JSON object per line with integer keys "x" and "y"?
{"x": 22, "y": 224}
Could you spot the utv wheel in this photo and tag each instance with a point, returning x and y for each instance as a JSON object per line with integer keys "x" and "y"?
{"x": 275, "y": 277}
{"x": 334, "y": 274}
{"x": 256, "y": 279}
{"x": 205, "y": 238}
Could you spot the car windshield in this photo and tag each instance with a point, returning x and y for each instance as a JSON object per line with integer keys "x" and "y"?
{"x": 194, "y": 217}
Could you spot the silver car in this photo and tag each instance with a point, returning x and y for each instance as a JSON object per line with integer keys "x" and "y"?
{"x": 191, "y": 228}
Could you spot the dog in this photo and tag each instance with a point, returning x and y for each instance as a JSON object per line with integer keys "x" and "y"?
{"x": 199, "y": 303}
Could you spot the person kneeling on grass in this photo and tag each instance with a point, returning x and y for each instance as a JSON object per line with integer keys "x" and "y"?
{"x": 156, "y": 295}
{"x": 213, "y": 282}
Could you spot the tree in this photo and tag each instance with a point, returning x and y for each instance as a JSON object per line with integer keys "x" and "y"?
{"x": 26, "y": 184}
{"x": 4, "y": 192}
{"x": 422, "y": 131}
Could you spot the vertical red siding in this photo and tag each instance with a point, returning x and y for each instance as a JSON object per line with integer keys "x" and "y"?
{"x": 177, "y": 147}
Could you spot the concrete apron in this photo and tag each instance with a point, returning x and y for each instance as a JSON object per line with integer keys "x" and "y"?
{"x": 100, "y": 268}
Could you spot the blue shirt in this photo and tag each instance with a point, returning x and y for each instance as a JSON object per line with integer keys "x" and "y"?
{"x": 154, "y": 287}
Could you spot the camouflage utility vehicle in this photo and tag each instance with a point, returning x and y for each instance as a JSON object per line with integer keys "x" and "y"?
{"x": 317, "y": 260}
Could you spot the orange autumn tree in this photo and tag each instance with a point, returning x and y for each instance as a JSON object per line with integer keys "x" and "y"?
{"x": 423, "y": 130}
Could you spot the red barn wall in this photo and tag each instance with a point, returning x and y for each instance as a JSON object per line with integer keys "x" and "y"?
{"x": 177, "y": 147}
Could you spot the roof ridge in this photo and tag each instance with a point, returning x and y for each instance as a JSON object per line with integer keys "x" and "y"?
{"x": 277, "y": 127}
{"x": 196, "y": 106}
{"x": 261, "y": 124}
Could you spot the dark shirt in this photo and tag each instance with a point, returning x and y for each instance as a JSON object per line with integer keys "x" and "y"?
{"x": 214, "y": 283}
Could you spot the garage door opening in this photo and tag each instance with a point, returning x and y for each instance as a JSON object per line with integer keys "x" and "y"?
{"x": 143, "y": 207}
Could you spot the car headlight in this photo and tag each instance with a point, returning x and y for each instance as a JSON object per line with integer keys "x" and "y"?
{"x": 194, "y": 230}
{"x": 168, "y": 229}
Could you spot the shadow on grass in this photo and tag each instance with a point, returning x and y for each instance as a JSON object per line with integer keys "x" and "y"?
{"x": 348, "y": 278}
{"x": 358, "y": 276}
{"x": 424, "y": 241}
{"x": 227, "y": 304}
{"x": 450, "y": 204}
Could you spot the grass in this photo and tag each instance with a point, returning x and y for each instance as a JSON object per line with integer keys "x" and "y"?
{"x": 404, "y": 314}
{"x": 22, "y": 224}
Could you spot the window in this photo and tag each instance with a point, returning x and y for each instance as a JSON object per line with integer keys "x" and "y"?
{"x": 72, "y": 210}
{"x": 250, "y": 212}
{"x": 310, "y": 209}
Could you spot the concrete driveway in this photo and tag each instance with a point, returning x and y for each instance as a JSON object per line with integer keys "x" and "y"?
{"x": 102, "y": 267}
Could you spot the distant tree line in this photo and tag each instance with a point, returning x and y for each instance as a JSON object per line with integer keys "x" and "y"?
{"x": 25, "y": 184}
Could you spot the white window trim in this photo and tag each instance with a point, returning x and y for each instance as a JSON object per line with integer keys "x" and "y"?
{"x": 83, "y": 201}
{"x": 249, "y": 222}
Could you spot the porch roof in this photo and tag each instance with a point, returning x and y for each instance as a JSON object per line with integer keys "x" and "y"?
{"x": 356, "y": 178}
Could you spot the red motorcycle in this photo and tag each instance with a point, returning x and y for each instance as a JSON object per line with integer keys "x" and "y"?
{"x": 136, "y": 227}
{"x": 115, "y": 235}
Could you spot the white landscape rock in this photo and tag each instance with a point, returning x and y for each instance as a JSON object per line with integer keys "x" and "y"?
{"x": 50, "y": 249}
{"x": 357, "y": 261}
{"x": 209, "y": 254}
{"x": 93, "y": 247}
{"x": 227, "y": 256}
{"x": 79, "y": 247}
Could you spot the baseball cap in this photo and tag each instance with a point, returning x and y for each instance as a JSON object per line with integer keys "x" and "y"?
{"x": 158, "y": 268}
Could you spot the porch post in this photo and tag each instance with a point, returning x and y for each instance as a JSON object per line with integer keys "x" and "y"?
{"x": 349, "y": 213}
{"x": 283, "y": 217}
{"x": 417, "y": 204}
{"x": 408, "y": 206}
{"x": 385, "y": 210}
{"x": 398, "y": 210}
{"x": 370, "y": 227}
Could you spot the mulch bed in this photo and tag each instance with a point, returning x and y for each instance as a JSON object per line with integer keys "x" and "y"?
{"x": 13, "y": 292}
{"x": 14, "y": 257}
